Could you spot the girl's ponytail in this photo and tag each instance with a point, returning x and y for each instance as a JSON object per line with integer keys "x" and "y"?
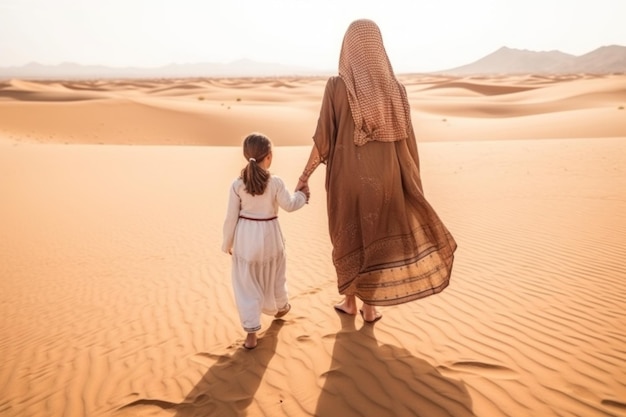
{"x": 256, "y": 147}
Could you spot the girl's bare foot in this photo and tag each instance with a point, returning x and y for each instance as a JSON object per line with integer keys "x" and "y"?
{"x": 251, "y": 341}
{"x": 370, "y": 314}
{"x": 347, "y": 306}
{"x": 283, "y": 311}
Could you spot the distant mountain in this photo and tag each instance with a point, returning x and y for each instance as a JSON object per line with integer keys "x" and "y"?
{"x": 241, "y": 68}
{"x": 604, "y": 60}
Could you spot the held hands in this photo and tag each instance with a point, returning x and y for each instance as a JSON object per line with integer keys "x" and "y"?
{"x": 304, "y": 187}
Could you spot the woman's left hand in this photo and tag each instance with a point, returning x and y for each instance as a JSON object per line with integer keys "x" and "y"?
{"x": 304, "y": 187}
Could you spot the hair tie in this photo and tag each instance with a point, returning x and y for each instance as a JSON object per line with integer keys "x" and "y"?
{"x": 252, "y": 160}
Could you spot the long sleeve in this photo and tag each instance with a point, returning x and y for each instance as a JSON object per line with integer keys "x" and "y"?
{"x": 326, "y": 129}
{"x": 287, "y": 201}
{"x": 232, "y": 216}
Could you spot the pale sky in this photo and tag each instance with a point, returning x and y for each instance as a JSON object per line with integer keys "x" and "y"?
{"x": 418, "y": 35}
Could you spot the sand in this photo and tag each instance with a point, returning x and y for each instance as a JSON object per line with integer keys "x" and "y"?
{"x": 115, "y": 299}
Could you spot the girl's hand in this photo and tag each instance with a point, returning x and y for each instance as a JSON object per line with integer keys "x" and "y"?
{"x": 303, "y": 186}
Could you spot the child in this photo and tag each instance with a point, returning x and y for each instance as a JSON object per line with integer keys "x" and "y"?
{"x": 253, "y": 237}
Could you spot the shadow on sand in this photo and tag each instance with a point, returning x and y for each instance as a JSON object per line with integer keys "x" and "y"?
{"x": 364, "y": 379}
{"x": 227, "y": 388}
{"x": 368, "y": 379}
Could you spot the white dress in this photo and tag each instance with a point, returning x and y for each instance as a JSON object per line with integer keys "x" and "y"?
{"x": 252, "y": 231}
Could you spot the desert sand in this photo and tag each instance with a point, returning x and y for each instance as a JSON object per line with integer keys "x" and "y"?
{"x": 115, "y": 299}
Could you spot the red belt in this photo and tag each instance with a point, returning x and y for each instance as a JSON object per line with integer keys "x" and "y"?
{"x": 258, "y": 220}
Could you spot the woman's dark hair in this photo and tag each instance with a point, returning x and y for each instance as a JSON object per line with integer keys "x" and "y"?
{"x": 256, "y": 147}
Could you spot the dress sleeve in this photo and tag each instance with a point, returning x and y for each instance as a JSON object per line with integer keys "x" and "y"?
{"x": 326, "y": 130}
{"x": 412, "y": 145}
{"x": 287, "y": 201}
{"x": 232, "y": 217}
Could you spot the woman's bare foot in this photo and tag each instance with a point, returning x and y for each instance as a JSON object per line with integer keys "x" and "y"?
{"x": 370, "y": 314}
{"x": 251, "y": 341}
{"x": 347, "y": 306}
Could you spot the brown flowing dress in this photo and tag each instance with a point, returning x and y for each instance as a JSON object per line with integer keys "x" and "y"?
{"x": 389, "y": 245}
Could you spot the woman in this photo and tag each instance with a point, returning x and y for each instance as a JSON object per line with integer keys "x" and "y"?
{"x": 389, "y": 245}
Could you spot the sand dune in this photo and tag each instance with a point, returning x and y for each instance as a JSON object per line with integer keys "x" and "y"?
{"x": 222, "y": 111}
{"x": 116, "y": 299}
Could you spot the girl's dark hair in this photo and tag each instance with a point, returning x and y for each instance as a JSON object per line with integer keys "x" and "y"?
{"x": 256, "y": 147}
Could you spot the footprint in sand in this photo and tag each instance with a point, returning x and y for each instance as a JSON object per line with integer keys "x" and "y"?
{"x": 208, "y": 359}
{"x": 312, "y": 291}
{"x": 614, "y": 404}
{"x": 583, "y": 393}
{"x": 481, "y": 369}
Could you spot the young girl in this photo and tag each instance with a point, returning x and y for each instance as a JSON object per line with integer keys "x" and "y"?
{"x": 253, "y": 237}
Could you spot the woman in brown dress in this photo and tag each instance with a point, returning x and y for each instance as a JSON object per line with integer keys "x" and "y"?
{"x": 389, "y": 245}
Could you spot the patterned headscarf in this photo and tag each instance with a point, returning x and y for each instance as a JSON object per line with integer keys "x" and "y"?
{"x": 378, "y": 102}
